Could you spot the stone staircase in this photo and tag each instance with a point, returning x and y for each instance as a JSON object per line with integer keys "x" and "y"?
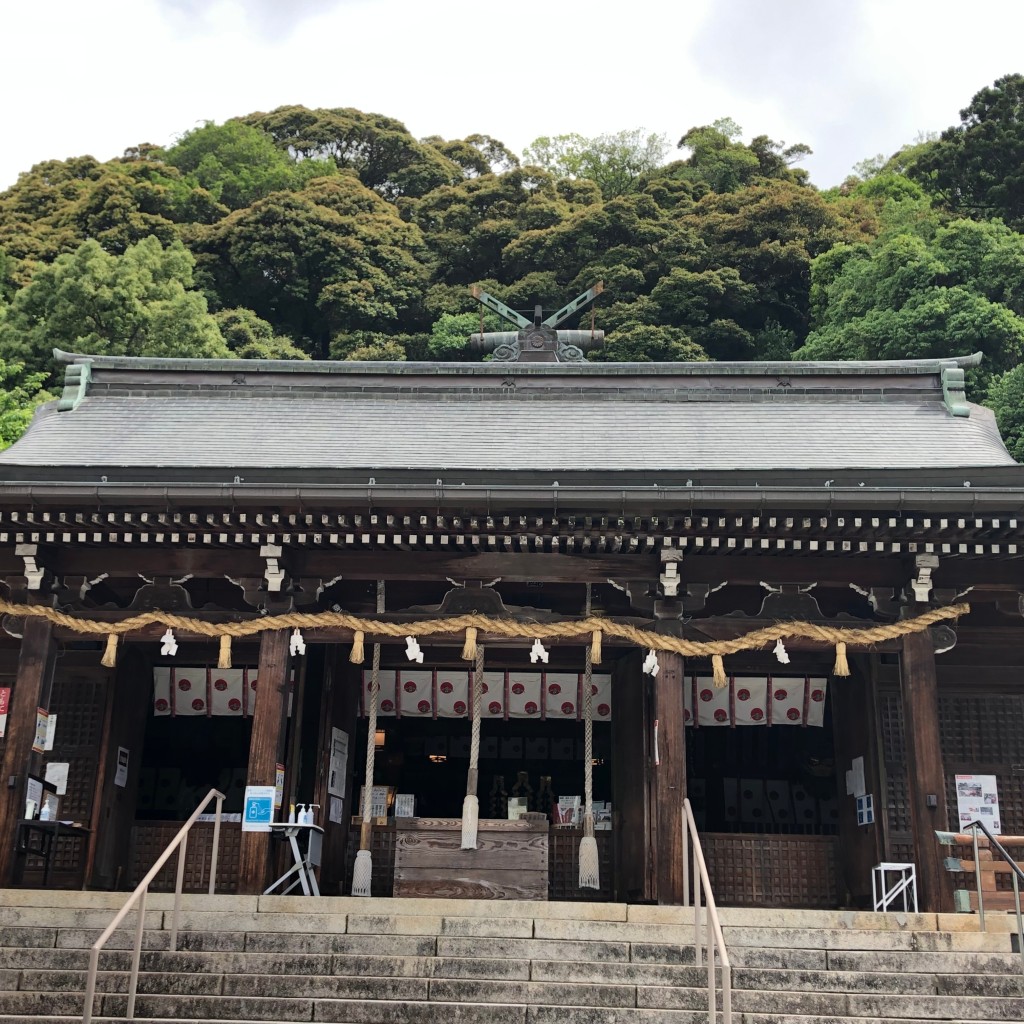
{"x": 248, "y": 958}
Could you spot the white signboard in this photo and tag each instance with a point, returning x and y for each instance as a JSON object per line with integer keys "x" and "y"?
{"x": 977, "y": 799}
{"x": 339, "y": 763}
{"x": 121, "y": 774}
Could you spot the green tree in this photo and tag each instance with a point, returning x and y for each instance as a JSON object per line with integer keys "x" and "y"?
{"x": 59, "y": 204}
{"x": 141, "y": 303}
{"x": 379, "y": 149}
{"x": 1006, "y": 399}
{"x": 942, "y": 292}
{"x": 249, "y": 337}
{"x": 20, "y": 395}
{"x": 238, "y": 164}
{"x": 769, "y": 234}
{"x": 616, "y": 162}
{"x": 718, "y": 158}
{"x": 449, "y": 334}
{"x": 332, "y": 258}
{"x": 976, "y": 167}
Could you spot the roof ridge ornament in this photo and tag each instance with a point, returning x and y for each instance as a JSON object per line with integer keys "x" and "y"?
{"x": 77, "y": 377}
{"x": 539, "y": 341}
{"x": 954, "y": 394}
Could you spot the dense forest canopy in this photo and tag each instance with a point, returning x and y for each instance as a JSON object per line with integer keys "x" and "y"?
{"x": 334, "y": 233}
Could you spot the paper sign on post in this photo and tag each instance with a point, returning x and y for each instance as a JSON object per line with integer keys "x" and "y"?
{"x": 5, "y": 703}
{"x": 42, "y": 719}
{"x": 338, "y": 763}
{"x": 977, "y": 799}
{"x": 258, "y": 811}
{"x": 51, "y": 732}
{"x": 121, "y": 775}
{"x": 278, "y": 786}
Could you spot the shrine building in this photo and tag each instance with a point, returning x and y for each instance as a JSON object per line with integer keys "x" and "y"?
{"x": 298, "y": 523}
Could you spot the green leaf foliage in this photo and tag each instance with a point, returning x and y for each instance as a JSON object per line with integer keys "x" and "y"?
{"x": 140, "y": 303}
{"x": 21, "y": 393}
{"x": 976, "y": 168}
{"x": 238, "y": 164}
{"x": 332, "y": 258}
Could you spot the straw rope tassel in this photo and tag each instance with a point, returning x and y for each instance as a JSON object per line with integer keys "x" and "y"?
{"x": 224, "y": 658}
{"x": 356, "y": 654}
{"x": 842, "y": 666}
{"x": 590, "y": 870}
{"x": 362, "y": 873}
{"x": 718, "y": 672}
{"x": 471, "y": 804}
{"x": 109, "y": 659}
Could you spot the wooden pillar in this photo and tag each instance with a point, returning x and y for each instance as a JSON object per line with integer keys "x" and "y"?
{"x": 338, "y": 710}
{"x": 669, "y": 778}
{"x": 128, "y": 706}
{"x": 855, "y": 734}
{"x": 631, "y": 770}
{"x": 925, "y": 774}
{"x": 266, "y": 747}
{"x": 31, "y": 691}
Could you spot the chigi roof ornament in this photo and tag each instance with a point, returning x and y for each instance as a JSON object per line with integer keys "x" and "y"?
{"x": 539, "y": 341}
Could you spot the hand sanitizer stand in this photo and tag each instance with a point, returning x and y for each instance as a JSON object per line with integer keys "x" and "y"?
{"x": 302, "y": 869}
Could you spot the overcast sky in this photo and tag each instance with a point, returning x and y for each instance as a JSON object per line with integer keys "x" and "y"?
{"x": 851, "y": 78}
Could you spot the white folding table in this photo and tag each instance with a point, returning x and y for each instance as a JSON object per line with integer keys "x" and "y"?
{"x": 304, "y": 862}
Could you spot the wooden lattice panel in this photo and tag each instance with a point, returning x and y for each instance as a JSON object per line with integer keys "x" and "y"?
{"x": 150, "y": 839}
{"x": 564, "y": 865}
{"x": 79, "y": 702}
{"x": 773, "y": 870}
{"x": 982, "y": 729}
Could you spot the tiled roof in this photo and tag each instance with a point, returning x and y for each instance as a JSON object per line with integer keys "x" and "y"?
{"x": 490, "y": 417}
{"x": 503, "y": 432}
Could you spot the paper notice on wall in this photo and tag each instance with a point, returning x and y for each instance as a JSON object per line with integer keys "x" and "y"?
{"x": 121, "y": 774}
{"x": 334, "y": 810}
{"x": 278, "y": 786}
{"x": 857, "y": 777}
{"x": 51, "y": 732}
{"x": 57, "y": 775}
{"x": 338, "y": 764}
{"x": 977, "y": 799}
{"x": 42, "y": 720}
{"x": 5, "y": 703}
{"x": 33, "y": 797}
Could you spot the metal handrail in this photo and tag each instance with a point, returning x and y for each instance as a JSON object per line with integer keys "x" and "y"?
{"x": 714, "y": 940}
{"x": 179, "y": 842}
{"x": 1015, "y": 873}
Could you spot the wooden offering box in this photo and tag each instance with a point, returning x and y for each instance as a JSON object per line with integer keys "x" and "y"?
{"x": 510, "y": 862}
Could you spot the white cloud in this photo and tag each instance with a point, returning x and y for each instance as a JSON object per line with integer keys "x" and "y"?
{"x": 849, "y": 79}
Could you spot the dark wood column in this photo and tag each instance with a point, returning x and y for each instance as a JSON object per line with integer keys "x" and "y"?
{"x": 925, "y": 773}
{"x": 669, "y": 779}
{"x": 265, "y": 750}
{"x": 338, "y": 706}
{"x": 129, "y": 702}
{"x": 632, "y": 767}
{"x": 31, "y": 691}
{"x": 855, "y": 733}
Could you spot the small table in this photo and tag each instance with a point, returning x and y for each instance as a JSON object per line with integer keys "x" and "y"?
{"x": 39, "y": 839}
{"x": 304, "y": 863}
{"x": 905, "y": 885}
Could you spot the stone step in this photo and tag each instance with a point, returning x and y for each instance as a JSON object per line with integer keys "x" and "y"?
{"x": 324, "y": 908}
